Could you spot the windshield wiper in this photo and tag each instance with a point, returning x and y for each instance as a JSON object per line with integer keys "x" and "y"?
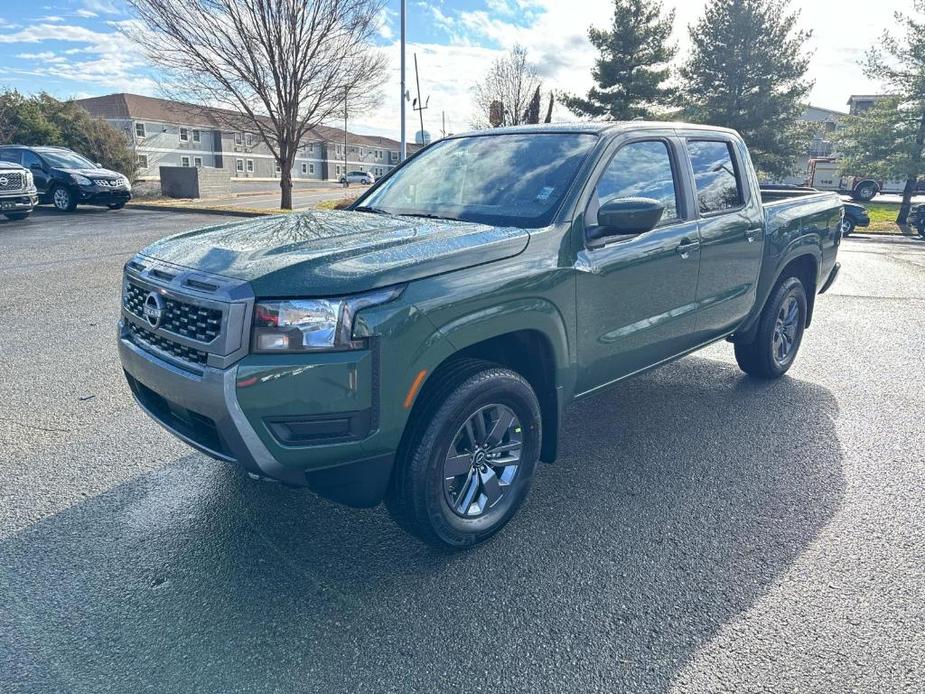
{"x": 371, "y": 210}
{"x": 427, "y": 215}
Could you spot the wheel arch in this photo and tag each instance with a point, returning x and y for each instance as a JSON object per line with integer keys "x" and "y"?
{"x": 528, "y": 339}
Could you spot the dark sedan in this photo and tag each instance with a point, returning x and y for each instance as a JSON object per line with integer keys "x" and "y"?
{"x": 855, "y": 216}
{"x": 66, "y": 179}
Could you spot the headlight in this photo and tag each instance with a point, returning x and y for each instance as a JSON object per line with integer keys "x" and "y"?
{"x": 81, "y": 180}
{"x": 311, "y": 325}
{"x": 126, "y": 183}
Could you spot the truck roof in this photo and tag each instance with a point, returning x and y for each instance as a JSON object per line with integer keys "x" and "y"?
{"x": 597, "y": 127}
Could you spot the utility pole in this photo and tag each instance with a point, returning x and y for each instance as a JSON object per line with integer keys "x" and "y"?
{"x": 346, "y": 92}
{"x": 443, "y": 124}
{"x": 418, "y": 104}
{"x": 404, "y": 144}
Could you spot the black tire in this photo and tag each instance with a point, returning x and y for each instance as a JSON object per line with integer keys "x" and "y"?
{"x": 865, "y": 192}
{"x": 419, "y": 496}
{"x": 847, "y": 227}
{"x": 16, "y": 216}
{"x": 63, "y": 199}
{"x": 761, "y": 358}
{"x": 116, "y": 206}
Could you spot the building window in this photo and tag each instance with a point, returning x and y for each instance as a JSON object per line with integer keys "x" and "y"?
{"x": 304, "y": 168}
{"x": 238, "y": 138}
{"x": 197, "y": 136}
{"x": 278, "y": 170}
{"x": 139, "y": 129}
{"x": 250, "y": 166}
{"x": 184, "y": 161}
{"x": 338, "y": 149}
{"x": 337, "y": 170}
{"x": 239, "y": 165}
{"x": 142, "y": 161}
{"x": 184, "y": 135}
{"x": 311, "y": 168}
{"x": 197, "y": 161}
{"x": 311, "y": 147}
{"x": 249, "y": 139}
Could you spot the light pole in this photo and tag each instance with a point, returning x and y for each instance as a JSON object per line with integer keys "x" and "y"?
{"x": 404, "y": 143}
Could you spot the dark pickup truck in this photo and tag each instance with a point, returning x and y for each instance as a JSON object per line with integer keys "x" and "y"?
{"x": 421, "y": 347}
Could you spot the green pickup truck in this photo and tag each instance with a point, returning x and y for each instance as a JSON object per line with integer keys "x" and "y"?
{"x": 421, "y": 347}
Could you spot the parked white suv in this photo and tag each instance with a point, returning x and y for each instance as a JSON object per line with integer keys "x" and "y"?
{"x": 17, "y": 191}
{"x": 364, "y": 177}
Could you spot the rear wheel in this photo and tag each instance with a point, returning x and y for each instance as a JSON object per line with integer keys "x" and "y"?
{"x": 64, "y": 199}
{"x": 467, "y": 467}
{"x": 865, "y": 192}
{"x": 17, "y": 216}
{"x": 780, "y": 333}
{"x": 847, "y": 226}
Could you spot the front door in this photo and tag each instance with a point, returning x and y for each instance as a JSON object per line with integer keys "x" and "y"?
{"x": 39, "y": 174}
{"x": 636, "y": 295}
{"x": 731, "y": 237}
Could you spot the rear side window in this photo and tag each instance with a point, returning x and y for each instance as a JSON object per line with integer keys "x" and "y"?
{"x": 641, "y": 170}
{"x": 718, "y": 180}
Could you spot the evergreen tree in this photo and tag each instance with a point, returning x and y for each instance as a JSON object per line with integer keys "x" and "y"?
{"x": 747, "y": 71}
{"x": 632, "y": 71}
{"x": 532, "y": 114}
{"x": 888, "y": 140}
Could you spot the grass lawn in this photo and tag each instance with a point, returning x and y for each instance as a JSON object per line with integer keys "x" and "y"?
{"x": 882, "y": 218}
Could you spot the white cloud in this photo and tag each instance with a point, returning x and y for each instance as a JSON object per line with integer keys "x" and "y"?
{"x": 101, "y": 6}
{"x": 86, "y": 14}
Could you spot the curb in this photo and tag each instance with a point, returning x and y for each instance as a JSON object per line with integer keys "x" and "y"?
{"x": 226, "y": 211}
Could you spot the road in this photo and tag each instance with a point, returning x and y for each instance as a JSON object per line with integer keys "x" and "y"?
{"x": 700, "y": 532}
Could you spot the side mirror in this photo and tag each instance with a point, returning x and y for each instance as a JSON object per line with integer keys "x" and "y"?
{"x": 626, "y": 216}
{"x": 97, "y": 165}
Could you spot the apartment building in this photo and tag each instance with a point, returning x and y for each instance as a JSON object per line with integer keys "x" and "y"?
{"x": 172, "y": 133}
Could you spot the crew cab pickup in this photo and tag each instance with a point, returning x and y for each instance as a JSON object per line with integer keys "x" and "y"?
{"x": 18, "y": 196}
{"x": 421, "y": 347}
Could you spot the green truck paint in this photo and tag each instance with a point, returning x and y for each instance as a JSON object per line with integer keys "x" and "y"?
{"x": 571, "y": 305}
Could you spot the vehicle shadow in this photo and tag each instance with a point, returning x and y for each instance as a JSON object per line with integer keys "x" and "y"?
{"x": 680, "y": 498}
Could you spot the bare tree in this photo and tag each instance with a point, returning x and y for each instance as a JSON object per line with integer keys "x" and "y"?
{"x": 503, "y": 97}
{"x": 285, "y": 65}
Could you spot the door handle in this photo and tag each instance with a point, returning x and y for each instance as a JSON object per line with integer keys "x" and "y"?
{"x": 752, "y": 234}
{"x": 686, "y": 246}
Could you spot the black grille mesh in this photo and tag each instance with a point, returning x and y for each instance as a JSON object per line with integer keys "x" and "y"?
{"x": 11, "y": 180}
{"x": 147, "y": 339}
{"x": 191, "y": 321}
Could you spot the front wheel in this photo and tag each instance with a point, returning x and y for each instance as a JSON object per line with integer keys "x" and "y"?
{"x": 116, "y": 206}
{"x": 64, "y": 199}
{"x": 468, "y": 467}
{"x": 847, "y": 226}
{"x": 780, "y": 332}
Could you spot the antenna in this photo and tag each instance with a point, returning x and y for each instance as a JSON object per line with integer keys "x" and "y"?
{"x": 416, "y": 106}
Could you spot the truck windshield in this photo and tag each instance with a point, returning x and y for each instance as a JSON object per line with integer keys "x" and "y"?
{"x": 66, "y": 160}
{"x": 504, "y": 180}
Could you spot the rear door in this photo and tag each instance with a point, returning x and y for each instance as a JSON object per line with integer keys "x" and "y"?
{"x": 635, "y": 294}
{"x": 731, "y": 233}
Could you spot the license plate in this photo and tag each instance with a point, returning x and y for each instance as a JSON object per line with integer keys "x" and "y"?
{"x": 7, "y": 205}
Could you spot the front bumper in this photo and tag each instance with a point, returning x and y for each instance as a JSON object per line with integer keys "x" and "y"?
{"x": 103, "y": 195}
{"x": 204, "y": 409}
{"x": 22, "y": 202}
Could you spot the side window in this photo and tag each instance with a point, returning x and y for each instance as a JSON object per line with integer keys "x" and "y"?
{"x": 716, "y": 176}
{"x": 29, "y": 160}
{"x": 638, "y": 170}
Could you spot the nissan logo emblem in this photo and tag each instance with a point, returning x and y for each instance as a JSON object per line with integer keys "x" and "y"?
{"x": 153, "y": 309}
{"x": 4, "y": 181}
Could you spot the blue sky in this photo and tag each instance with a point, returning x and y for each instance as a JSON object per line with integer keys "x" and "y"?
{"x": 76, "y": 48}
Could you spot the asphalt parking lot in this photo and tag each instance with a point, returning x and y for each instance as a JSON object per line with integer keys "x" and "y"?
{"x": 700, "y": 532}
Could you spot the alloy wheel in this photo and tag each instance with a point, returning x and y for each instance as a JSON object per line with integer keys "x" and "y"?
{"x": 785, "y": 330}
{"x": 481, "y": 464}
{"x": 62, "y": 199}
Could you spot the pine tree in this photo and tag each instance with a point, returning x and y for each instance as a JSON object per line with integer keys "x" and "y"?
{"x": 632, "y": 71}
{"x": 747, "y": 71}
{"x": 532, "y": 114}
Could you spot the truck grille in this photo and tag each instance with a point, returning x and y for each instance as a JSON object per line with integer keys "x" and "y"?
{"x": 188, "y": 320}
{"x": 147, "y": 339}
{"x": 12, "y": 180}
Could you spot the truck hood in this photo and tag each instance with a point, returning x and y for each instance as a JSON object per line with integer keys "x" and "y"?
{"x": 334, "y": 253}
